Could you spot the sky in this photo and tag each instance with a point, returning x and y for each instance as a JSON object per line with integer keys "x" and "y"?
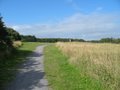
{"x": 84, "y": 19}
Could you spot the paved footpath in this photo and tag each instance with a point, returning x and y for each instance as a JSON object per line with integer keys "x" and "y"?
{"x": 31, "y": 74}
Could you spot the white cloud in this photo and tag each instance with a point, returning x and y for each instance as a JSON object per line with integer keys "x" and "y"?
{"x": 91, "y": 26}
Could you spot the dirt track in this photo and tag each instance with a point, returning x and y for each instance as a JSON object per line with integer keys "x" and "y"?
{"x": 31, "y": 74}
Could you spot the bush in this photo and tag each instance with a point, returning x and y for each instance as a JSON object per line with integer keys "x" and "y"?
{"x": 17, "y": 44}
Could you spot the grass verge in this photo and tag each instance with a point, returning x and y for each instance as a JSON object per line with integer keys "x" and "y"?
{"x": 9, "y": 65}
{"x": 63, "y": 76}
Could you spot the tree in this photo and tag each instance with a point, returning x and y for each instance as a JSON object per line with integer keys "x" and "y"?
{"x": 110, "y": 40}
{"x": 5, "y": 41}
{"x": 28, "y": 38}
{"x": 13, "y": 35}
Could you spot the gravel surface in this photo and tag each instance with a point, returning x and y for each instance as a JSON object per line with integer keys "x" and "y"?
{"x": 31, "y": 74}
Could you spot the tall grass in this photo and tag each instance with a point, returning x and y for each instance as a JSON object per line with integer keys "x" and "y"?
{"x": 17, "y": 44}
{"x": 63, "y": 76}
{"x": 99, "y": 61}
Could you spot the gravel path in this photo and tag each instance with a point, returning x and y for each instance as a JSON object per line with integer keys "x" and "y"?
{"x": 31, "y": 75}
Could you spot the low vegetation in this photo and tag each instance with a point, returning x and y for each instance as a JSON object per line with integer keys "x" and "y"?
{"x": 100, "y": 61}
{"x": 17, "y": 44}
{"x": 63, "y": 76}
{"x": 8, "y": 66}
{"x": 83, "y": 66}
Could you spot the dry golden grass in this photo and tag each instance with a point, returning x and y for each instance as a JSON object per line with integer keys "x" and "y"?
{"x": 17, "y": 44}
{"x": 99, "y": 61}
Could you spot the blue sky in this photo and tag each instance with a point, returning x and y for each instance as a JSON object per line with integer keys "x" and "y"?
{"x": 87, "y": 19}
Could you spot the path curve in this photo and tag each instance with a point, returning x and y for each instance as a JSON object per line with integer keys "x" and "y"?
{"x": 31, "y": 75}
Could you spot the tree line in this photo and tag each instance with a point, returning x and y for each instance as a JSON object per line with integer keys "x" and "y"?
{"x": 53, "y": 40}
{"x": 30, "y": 38}
{"x": 106, "y": 40}
{"x": 7, "y": 37}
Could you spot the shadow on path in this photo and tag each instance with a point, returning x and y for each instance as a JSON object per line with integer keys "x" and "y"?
{"x": 33, "y": 78}
{"x": 31, "y": 74}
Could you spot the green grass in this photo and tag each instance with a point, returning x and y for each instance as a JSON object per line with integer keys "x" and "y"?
{"x": 63, "y": 76}
{"x": 8, "y": 66}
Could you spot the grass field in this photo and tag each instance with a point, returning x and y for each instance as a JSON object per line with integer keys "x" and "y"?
{"x": 83, "y": 66}
{"x": 8, "y": 66}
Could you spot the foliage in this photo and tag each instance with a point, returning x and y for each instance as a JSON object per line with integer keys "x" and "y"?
{"x": 28, "y": 38}
{"x": 13, "y": 35}
{"x": 5, "y": 41}
{"x": 103, "y": 40}
{"x": 53, "y": 40}
{"x": 7, "y": 37}
{"x": 106, "y": 40}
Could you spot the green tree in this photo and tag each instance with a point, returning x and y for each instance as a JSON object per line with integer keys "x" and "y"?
{"x": 5, "y": 41}
{"x": 28, "y": 38}
{"x": 110, "y": 40}
{"x": 13, "y": 35}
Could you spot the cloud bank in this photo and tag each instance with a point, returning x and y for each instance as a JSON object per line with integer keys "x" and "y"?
{"x": 85, "y": 26}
